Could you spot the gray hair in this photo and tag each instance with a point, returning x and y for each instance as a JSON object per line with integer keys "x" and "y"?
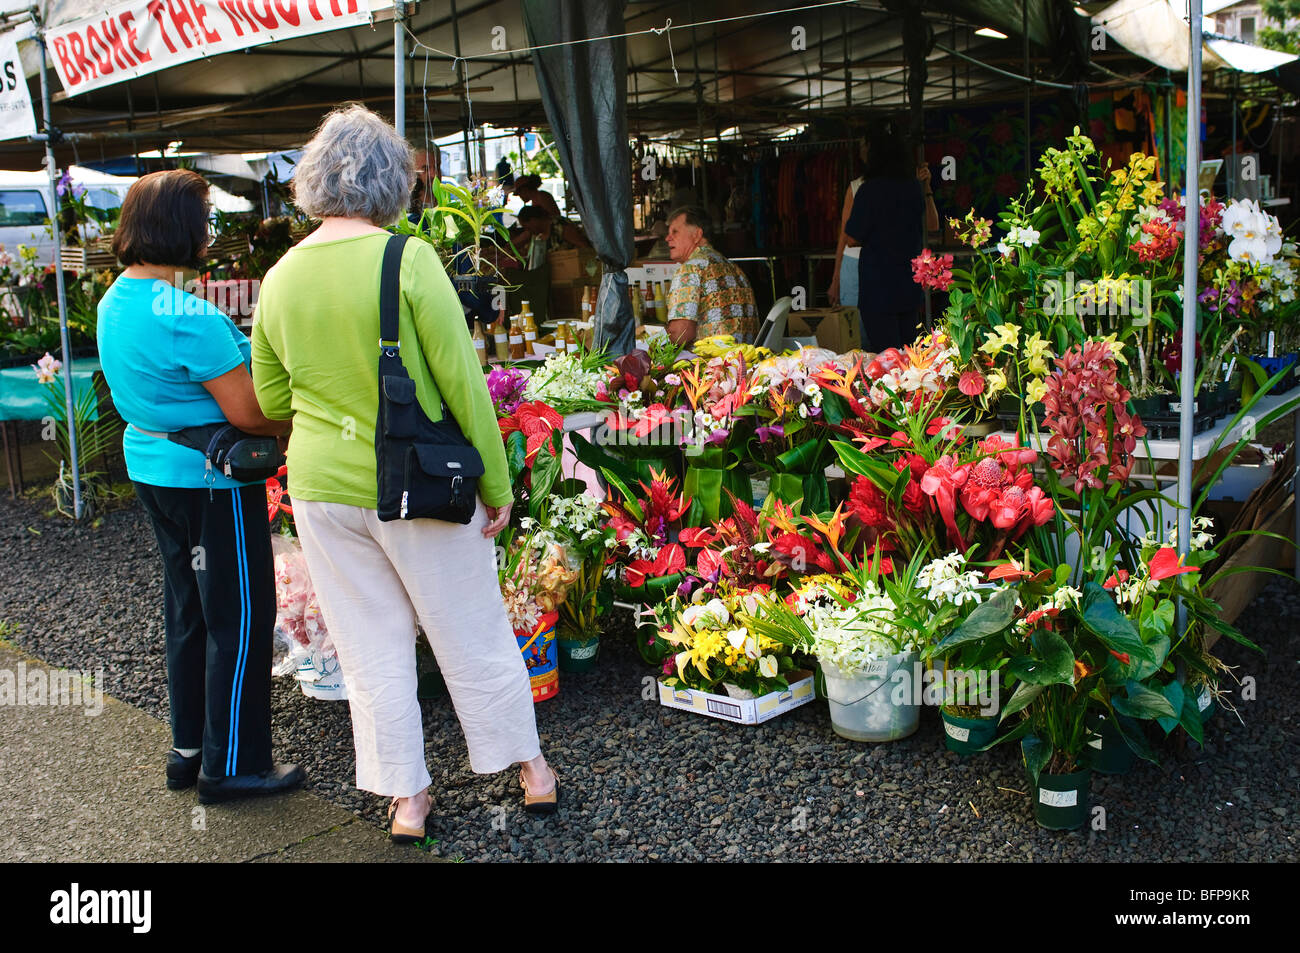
{"x": 356, "y": 166}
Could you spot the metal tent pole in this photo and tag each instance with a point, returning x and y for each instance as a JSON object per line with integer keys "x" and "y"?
{"x": 52, "y": 170}
{"x": 1191, "y": 251}
{"x": 399, "y": 67}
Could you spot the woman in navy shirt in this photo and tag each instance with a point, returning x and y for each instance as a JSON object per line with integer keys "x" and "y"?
{"x": 891, "y": 211}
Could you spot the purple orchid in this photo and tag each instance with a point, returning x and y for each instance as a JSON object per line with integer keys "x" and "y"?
{"x": 506, "y": 386}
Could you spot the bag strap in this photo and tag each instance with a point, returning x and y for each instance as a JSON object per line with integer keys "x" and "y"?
{"x": 390, "y": 308}
{"x": 390, "y": 303}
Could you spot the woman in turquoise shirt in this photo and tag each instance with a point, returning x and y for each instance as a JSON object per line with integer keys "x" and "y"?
{"x": 173, "y": 361}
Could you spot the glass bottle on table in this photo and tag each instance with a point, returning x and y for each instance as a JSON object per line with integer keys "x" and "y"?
{"x": 661, "y": 303}
{"x": 501, "y": 340}
{"x": 530, "y": 332}
{"x": 648, "y": 303}
{"x": 516, "y": 339}
{"x": 480, "y": 345}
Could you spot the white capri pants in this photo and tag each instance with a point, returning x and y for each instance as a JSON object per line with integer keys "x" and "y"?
{"x": 373, "y": 580}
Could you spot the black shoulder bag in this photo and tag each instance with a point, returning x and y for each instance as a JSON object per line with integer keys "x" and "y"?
{"x": 425, "y": 469}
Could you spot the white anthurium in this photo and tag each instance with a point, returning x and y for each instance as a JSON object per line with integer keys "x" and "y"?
{"x": 767, "y": 666}
{"x": 737, "y": 637}
{"x": 691, "y": 614}
{"x": 751, "y": 647}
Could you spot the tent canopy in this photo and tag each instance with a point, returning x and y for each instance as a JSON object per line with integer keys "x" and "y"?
{"x": 745, "y": 67}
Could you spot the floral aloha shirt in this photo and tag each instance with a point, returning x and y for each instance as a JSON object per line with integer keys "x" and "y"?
{"x": 715, "y": 294}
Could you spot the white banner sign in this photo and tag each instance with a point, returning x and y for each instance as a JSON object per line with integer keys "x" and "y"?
{"x": 142, "y": 36}
{"x": 16, "y": 118}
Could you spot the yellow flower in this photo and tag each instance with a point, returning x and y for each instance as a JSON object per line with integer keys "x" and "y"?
{"x": 1152, "y": 192}
{"x": 997, "y": 382}
{"x": 1002, "y": 337}
{"x": 706, "y": 648}
{"x": 1038, "y": 351}
{"x": 1036, "y": 390}
{"x": 1116, "y": 348}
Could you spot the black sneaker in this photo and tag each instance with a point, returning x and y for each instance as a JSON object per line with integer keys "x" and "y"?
{"x": 275, "y": 780}
{"x": 182, "y": 772}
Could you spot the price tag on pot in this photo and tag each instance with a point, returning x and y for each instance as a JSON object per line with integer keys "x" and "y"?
{"x": 878, "y": 668}
{"x": 1203, "y": 699}
{"x": 1095, "y": 742}
{"x": 956, "y": 733}
{"x": 1058, "y": 798}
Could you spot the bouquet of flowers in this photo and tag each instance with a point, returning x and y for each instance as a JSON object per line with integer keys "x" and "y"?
{"x": 578, "y": 524}
{"x": 569, "y": 382}
{"x": 534, "y": 574}
{"x": 647, "y": 529}
{"x": 786, "y": 403}
{"x": 714, "y": 643}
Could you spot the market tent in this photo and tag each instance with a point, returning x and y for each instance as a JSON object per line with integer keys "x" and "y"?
{"x": 1157, "y": 30}
{"x": 757, "y": 71}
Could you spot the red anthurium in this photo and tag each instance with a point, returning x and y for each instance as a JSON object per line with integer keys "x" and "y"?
{"x": 1122, "y": 656}
{"x": 1165, "y": 563}
{"x": 537, "y": 421}
{"x": 694, "y": 536}
{"x": 1008, "y": 570}
{"x": 637, "y": 571}
{"x": 671, "y": 559}
{"x": 971, "y": 383}
{"x": 1119, "y": 577}
{"x": 708, "y": 562}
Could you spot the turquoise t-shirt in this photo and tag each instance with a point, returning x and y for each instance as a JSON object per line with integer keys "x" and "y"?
{"x": 157, "y": 344}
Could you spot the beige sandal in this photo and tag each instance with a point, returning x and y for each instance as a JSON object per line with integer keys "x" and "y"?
{"x": 400, "y": 833}
{"x": 541, "y": 803}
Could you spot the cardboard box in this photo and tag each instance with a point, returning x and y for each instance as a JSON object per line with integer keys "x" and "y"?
{"x": 744, "y": 711}
{"x": 837, "y": 329}
{"x": 573, "y": 264}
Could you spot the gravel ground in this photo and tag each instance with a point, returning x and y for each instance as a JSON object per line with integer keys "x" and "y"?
{"x": 641, "y": 781}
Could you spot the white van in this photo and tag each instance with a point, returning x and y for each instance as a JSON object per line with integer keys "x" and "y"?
{"x": 25, "y": 204}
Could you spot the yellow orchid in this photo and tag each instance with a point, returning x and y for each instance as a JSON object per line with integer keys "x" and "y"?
{"x": 997, "y": 382}
{"x": 1116, "y": 348}
{"x": 1002, "y": 337}
{"x": 1036, "y": 390}
{"x": 1038, "y": 351}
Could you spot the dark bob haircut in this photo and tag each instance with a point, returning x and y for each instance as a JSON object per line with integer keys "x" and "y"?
{"x": 164, "y": 220}
{"x": 530, "y": 212}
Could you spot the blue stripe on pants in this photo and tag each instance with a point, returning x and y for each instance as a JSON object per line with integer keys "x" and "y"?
{"x": 245, "y": 620}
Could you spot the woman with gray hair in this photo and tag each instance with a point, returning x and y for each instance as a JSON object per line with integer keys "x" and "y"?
{"x": 315, "y": 358}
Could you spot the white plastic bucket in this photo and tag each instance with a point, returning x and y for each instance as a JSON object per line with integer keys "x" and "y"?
{"x": 862, "y": 703}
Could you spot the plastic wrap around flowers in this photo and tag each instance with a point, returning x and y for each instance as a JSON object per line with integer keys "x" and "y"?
{"x": 297, "y": 611}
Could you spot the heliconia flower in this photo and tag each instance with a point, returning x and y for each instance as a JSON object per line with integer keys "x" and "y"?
{"x": 971, "y": 383}
{"x": 1166, "y": 564}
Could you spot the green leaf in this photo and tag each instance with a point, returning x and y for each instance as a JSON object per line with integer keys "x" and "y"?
{"x": 1102, "y": 617}
{"x": 1037, "y": 753}
{"x": 988, "y": 618}
{"x": 1190, "y": 717}
{"x": 1134, "y": 737}
{"x": 1173, "y": 692}
{"x": 546, "y": 467}
{"x": 1142, "y": 703}
{"x": 1020, "y": 698}
{"x": 1156, "y": 622}
{"x": 516, "y": 453}
{"x": 1052, "y": 664}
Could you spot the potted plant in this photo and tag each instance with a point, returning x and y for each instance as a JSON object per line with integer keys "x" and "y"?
{"x": 1071, "y": 654}
{"x": 96, "y": 434}
{"x": 534, "y": 577}
{"x": 577, "y": 522}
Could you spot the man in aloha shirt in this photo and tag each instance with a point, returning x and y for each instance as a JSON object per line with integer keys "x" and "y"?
{"x": 709, "y": 294}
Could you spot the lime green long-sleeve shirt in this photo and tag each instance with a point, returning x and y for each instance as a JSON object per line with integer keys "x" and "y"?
{"x": 316, "y": 358}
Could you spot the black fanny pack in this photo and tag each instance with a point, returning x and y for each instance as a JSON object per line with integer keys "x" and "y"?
{"x": 244, "y": 457}
{"x": 425, "y": 469}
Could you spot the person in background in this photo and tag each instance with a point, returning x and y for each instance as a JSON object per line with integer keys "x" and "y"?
{"x": 174, "y": 361}
{"x": 557, "y": 233}
{"x": 891, "y": 212}
{"x": 315, "y": 347}
{"x": 709, "y": 295}
{"x": 529, "y": 188}
{"x": 844, "y": 282}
